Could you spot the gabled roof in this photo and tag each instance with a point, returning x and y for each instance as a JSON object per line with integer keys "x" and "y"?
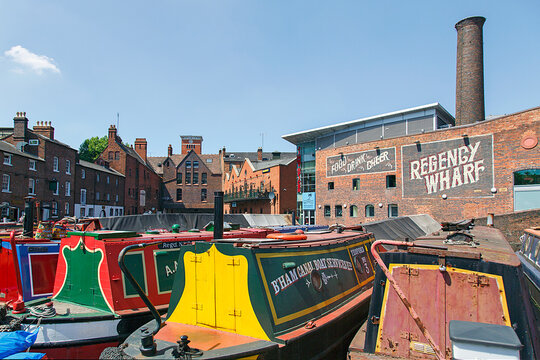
{"x": 8, "y": 148}
{"x": 90, "y": 165}
{"x": 214, "y": 165}
{"x": 260, "y": 165}
{"x": 128, "y": 150}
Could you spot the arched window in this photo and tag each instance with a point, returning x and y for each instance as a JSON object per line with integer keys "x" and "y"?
{"x": 353, "y": 211}
{"x": 370, "y": 210}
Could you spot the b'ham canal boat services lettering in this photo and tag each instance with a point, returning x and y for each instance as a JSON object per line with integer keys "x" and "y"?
{"x": 461, "y": 167}
{"x": 365, "y": 162}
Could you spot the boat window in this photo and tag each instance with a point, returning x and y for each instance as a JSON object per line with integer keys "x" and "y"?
{"x": 537, "y": 250}
{"x": 528, "y": 243}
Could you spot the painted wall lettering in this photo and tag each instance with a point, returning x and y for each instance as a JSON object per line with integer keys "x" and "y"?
{"x": 458, "y": 167}
{"x": 365, "y": 162}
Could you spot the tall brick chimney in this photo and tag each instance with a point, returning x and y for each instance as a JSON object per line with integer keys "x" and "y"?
{"x": 169, "y": 150}
{"x": 259, "y": 154}
{"x": 20, "y": 126}
{"x": 44, "y": 128}
{"x": 470, "y": 71}
{"x": 112, "y": 133}
{"x": 140, "y": 147}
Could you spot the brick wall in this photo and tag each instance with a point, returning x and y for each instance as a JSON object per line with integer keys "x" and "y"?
{"x": 508, "y": 156}
{"x": 513, "y": 224}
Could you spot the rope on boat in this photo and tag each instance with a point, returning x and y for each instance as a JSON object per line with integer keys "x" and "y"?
{"x": 9, "y": 323}
{"x": 42, "y": 311}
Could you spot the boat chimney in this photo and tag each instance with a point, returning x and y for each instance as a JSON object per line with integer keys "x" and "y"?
{"x": 28, "y": 223}
{"x": 218, "y": 215}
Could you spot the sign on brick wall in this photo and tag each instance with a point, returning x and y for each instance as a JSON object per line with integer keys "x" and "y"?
{"x": 365, "y": 162}
{"x": 460, "y": 167}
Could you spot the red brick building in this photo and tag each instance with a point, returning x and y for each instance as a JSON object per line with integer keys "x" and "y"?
{"x": 142, "y": 184}
{"x": 261, "y": 187}
{"x": 467, "y": 171}
{"x": 189, "y": 179}
{"x": 44, "y": 166}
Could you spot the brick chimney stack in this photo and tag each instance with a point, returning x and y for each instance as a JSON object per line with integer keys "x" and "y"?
{"x": 169, "y": 150}
{"x": 20, "y": 126}
{"x": 259, "y": 154}
{"x": 112, "y": 133}
{"x": 44, "y": 128}
{"x": 470, "y": 71}
{"x": 140, "y": 147}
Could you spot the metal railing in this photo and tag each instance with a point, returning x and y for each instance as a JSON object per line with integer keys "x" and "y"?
{"x": 246, "y": 195}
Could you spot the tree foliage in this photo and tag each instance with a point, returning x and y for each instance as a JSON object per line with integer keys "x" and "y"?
{"x": 91, "y": 148}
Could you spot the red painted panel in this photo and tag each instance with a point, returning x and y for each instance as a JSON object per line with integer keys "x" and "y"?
{"x": 43, "y": 272}
{"x": 8, "y": 280}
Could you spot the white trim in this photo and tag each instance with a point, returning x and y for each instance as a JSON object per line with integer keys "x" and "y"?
{"x": 30, "y": 265}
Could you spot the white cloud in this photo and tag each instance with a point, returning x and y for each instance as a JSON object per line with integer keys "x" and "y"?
{"x": 37, "y": 63}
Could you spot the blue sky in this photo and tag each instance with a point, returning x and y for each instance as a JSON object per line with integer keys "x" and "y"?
{"x": 233, "y": 70}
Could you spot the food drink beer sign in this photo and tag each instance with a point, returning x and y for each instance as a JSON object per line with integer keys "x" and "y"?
{"x": 365, "y": 162}
{"x": 460, "y": 167}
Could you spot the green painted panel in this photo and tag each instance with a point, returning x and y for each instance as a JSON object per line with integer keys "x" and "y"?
{"x": 166, "y": 266}
{"x": 135, "y": 264}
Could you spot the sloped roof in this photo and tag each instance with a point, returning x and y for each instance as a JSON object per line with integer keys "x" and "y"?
{"x": 157, "y": 162}
{"x": 260, "y": 165}
{"x": 7, "y": 147}
{"x": 133, "y": 153}
{"x": 231, "y": 156}
{"x": 99, "y": 168}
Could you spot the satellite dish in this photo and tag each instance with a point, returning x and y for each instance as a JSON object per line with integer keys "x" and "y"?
{"x": 271, "y": 195}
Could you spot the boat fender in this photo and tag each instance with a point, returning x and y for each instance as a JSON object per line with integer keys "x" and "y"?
{"x": 281, "y": 236}
{"x": 310, "y": 324}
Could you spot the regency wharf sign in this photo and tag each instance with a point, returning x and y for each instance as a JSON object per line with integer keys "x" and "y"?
{"x": 460, "y": 167}
{"x": 365, "y": 162}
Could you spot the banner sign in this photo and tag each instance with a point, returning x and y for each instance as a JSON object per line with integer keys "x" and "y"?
{"x": 365, "y": 162}
{"x": 460, "y": 167}
{"x": 298, "y": 171}
{"x": 308, "y": 201}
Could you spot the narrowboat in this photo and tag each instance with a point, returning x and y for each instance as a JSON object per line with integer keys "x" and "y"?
{"x": 289, "y": 296}
{"x": 457, "y": 293}
{"x": 93, "y": 306}
{"x": 529, "y": 255}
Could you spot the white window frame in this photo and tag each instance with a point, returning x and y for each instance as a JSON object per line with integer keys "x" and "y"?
{"x": 31, "y": 186}
{"x": 32, "y": 165}
{"x": 83, "y": 196}
{"x": 68, "y": 167}
{"x": 97, "y": 195}
{"x": 57, "y": 190}
{"x": 54, "y": 208}
{"x": 68, "y": 188}
{"x": 6, "y": 183}
{"x": 8, "y": 159}
{"x": 83, "y": 174}
{"x": 108, "y": 197}
{"x": 67, "y": 209}
{"x": 55, "y": 164}
{"x": 97, "y": 177}
{"x": 108, "y": 179}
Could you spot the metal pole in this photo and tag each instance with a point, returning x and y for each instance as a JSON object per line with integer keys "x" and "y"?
{"x": 28, "y": 223}
{"x": 218, "y": 214}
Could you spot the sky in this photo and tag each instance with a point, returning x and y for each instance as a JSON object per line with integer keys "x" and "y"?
{"x": 243, "y": 73}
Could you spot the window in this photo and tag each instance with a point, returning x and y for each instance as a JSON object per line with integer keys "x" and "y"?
{"x": 66, "y": 209}
{"x": 142, "y": 198}
{"x": 31, "y": 186}
{"x": 353, "y": 211}
{"x": 188, "y": 178}
{"x": 68, "y": 188}
{"x": 327, "y": 210}
{"x": 7, "y": 159}
{"x": 195, "y": 178}
{"x": 339, "y": 211}
{"x": 178, "y": 194}
{"x": 204, "y": 180}
{"x": 116, "y": 181}
{"x": 55, "y": 164}
{"x": 390, "y": 181}
{"x": 54, "y": 209}
{"x": 91, "y": 212}
{"x": 32, "y": 165}
{"x": 68, "y": 167}
{"x": 83, "y": 197}
{"x": 188, "y": 164}
{"x": 55, "y": 187}
{"x": 115, "y": 212}
{"x": 356, "y": 184}
{"x": 97, "y": 195}
{"x": 111, "y": 212}
{"x": 111, "y": 155}
{"x": 209, "y": 160}
{"x": 5, "y": 211}
{"x": 116, "y": 197}
{"x": 82, "y": 213}
{"x": 195, "y": 164}
{"x": 83, "y": 174}
{"x": 203, "y": 194}
{"x": 370, "y": 210}
{"x": 331, "y": 185}
{"x": 97, "y": 177}
{"x": 108, "y": 197}
{"x": 117, "y": 155}
{"x": 179, "y": 178}
{"x": 108, "y": 179}
{"x": 392, "y": 210}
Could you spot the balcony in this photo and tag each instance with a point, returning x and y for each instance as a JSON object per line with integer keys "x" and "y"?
{"x": 246, "y": 195}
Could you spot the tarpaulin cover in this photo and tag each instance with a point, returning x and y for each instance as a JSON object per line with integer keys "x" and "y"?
{"x": 26, "y": 356}
{"x": 16, "y": 341}
{"x": 401, "y": 228}
{"x": 142, "y": 223}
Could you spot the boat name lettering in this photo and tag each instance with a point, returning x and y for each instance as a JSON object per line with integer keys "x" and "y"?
{"x": 37, "y": 249}
{"x": 293, "y": 275}
{"x": 170, "y": 271}
{"x": 448, "y": 169}
{"x": 358, "y": 250}
{"x": 170, "y": 245}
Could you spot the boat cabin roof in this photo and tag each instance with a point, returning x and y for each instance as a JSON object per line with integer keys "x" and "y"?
{"x": 489, "y": 245}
